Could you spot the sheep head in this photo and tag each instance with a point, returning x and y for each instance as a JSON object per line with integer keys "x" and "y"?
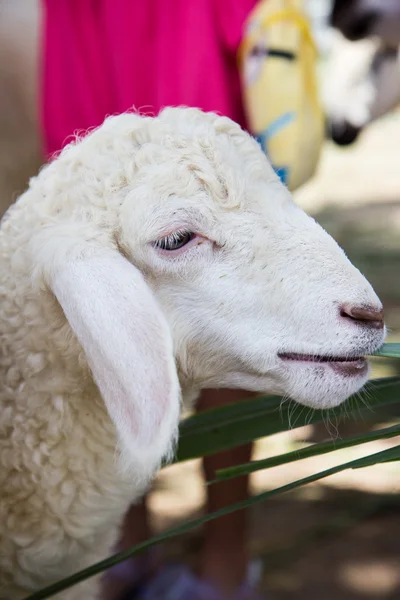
{"x": 362, "y": 83}
{"x": 175, "y": 250}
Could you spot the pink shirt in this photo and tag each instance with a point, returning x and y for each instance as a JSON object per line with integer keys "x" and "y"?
{"x": 102, "y": 57}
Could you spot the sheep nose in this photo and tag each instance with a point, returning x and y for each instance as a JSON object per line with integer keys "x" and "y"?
{"x": 369, "y": 316}
{"x": 343, "y": 133}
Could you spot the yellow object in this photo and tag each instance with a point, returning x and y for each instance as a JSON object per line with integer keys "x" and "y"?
{"x": 277, "y": 61}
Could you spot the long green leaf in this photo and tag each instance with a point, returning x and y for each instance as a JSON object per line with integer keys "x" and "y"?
{"x": 380, "y": 457}
{"x": 314, "y": 450}
{"x": 388, "y": 350}
{"x": 242, "y": 422}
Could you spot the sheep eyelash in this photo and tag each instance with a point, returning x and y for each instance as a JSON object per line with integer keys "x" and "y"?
{"x": 174, "y": 240}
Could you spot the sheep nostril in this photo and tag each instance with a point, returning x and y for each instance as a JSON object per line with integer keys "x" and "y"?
{"x": 364, "y": 315}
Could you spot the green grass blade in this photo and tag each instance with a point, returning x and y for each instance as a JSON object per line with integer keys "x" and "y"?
{"x": 389, "y": 350}
{"x": 242, "y": 422}
{"x": 314, "y": 450}
{"x": 380, "y": 457}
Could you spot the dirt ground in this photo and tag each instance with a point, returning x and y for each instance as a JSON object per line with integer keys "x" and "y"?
{"x": 340, "y": 538}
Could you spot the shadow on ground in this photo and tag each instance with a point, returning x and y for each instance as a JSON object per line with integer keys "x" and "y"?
{"x": 339, "y": 544}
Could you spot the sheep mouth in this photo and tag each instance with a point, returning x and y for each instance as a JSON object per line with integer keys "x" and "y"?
{"x": 344, "y": 365}
{"x": 319, "y": 358}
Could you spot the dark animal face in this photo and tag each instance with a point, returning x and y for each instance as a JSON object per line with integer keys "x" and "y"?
{"x": 358, "y": 19}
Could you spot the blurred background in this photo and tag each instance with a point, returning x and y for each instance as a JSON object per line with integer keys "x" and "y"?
{"x": 339, "y": 538}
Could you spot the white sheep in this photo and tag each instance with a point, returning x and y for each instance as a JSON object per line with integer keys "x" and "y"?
{"x": 154, "y": 257}
{"x": 361, "y": 83}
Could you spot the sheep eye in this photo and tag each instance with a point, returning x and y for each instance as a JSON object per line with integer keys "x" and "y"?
{"x": 174, "y": 241}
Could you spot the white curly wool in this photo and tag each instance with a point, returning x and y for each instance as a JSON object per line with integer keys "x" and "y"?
{"x": 102, "y": 329}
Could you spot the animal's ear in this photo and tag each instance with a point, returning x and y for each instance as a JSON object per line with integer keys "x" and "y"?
{"x": 128, "y": 346}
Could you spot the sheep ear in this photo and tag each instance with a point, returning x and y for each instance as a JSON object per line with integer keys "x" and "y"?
{"x": 128, "y": 346}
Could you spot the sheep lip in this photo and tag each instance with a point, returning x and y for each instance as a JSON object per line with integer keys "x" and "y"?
{"x": 345, "y": 366}
{"x": 317, "y": 358}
